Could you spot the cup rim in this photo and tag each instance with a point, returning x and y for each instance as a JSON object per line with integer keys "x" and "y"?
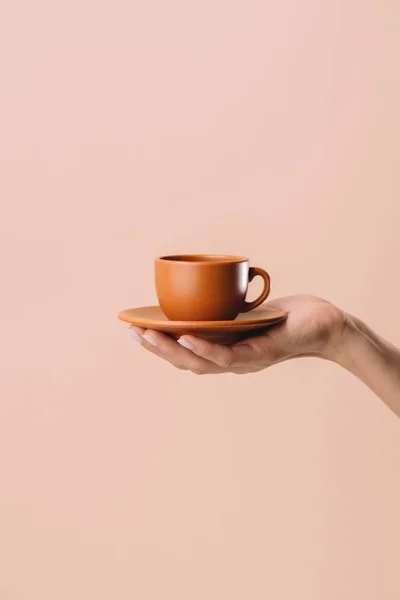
{"x": 201, "y": 259}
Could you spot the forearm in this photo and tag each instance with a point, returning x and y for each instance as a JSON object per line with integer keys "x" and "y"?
{"x": 373, "y": 360}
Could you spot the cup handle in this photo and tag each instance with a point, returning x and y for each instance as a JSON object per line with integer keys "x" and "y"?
{"x": 253, "y": 271}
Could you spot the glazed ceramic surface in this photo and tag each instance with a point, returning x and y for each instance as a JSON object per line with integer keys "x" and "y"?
{"x": 206, "y": 287}
{"x": 222, "y": 332}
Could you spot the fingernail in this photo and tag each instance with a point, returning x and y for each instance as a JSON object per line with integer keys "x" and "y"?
{"x": 135, "y": 336}
{"x": 186, "y": 343}
{"x": 149, "y": 338}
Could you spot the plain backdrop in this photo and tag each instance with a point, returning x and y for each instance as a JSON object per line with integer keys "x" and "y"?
{"x": 133, "y": 129}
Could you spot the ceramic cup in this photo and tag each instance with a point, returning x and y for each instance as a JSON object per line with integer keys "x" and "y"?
{"x": 206, "y": 287}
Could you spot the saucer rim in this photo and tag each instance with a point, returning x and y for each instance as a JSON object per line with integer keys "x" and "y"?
{"x": 232, "y": 324}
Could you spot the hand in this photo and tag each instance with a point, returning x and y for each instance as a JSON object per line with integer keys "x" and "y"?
{"x": 314, "y": 327}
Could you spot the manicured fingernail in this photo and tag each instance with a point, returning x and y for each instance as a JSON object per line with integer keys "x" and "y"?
{"x": 186, "y": 343}
{"x": 135, "y": 336}
{"x": 149, "y": 338}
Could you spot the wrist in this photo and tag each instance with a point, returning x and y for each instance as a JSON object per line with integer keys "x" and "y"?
{"x": 344, "y": 337}
{"x": 354, "y": 343}
{"x": 372, "y": 359}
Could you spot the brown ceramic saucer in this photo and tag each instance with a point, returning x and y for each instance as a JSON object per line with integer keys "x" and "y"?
{"x": 220, "y": 332}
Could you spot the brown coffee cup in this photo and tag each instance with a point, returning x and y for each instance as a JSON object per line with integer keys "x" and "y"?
{"x": 206, "y": 287}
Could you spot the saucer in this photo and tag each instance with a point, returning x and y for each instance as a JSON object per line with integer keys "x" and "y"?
{"x": 220, "y": 332}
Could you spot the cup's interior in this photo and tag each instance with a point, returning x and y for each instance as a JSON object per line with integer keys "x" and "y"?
{"x": 203, "y": 258}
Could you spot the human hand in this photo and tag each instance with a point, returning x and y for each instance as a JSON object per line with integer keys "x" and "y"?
{"x": 314, "y": 327}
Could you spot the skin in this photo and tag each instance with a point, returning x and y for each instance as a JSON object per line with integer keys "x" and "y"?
{"x": 314, "y": 328}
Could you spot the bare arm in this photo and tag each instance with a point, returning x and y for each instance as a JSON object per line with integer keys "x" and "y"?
{"x": 372, "y": 359}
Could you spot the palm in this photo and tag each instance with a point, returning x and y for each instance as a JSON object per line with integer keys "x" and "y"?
{"x": 311, "y": 326}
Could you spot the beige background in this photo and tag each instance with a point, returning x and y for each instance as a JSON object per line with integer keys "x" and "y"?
{"x": 131, "y": 129}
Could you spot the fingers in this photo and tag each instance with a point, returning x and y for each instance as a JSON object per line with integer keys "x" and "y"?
{"x": 167, "y": 348}
{"x": 204, "y": 357}
{"x": 226, "y": 357}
